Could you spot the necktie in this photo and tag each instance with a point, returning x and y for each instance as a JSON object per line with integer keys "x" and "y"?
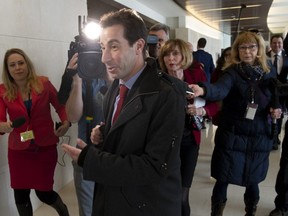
{"x": 276, "y": 63}
{"x": 122, "y": 94}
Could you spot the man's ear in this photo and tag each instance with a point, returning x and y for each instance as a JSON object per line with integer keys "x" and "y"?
{"x": 140, "y": 44}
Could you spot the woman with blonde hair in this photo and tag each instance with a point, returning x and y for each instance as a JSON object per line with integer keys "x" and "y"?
{"x": 243, "y": 139}
{"x": 32, "y": 152}
{"x": 176, "y": 59}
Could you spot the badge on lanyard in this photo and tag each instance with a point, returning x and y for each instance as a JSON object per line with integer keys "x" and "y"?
{"x": 251, "y": 111}
{"x": 251, "y": 107}
{"x": 27, "y": 135}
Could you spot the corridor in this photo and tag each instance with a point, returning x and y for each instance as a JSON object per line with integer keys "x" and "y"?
{"x": 201, "y": 189}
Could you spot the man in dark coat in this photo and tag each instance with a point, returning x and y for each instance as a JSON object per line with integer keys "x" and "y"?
{"x": 281, "y": 186}
{"x": 135, "y": 159}
{"x": 279, "y": 59}
{"x": 205, "y": 58}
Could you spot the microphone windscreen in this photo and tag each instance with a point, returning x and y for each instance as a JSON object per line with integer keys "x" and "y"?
{"x": 18, "y": 122}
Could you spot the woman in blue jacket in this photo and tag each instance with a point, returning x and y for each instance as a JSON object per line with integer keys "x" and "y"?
{"x": 243, "y": 139}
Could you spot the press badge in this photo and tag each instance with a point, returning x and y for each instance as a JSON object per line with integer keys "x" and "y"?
{"x": 27, "y": 135}
{"x": 251, "y": 111}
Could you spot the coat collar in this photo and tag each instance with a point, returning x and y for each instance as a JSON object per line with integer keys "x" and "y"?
{"x": 147, "y": 83}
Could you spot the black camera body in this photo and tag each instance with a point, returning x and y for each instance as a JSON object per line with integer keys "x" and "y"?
{"x": 89, "y": 62}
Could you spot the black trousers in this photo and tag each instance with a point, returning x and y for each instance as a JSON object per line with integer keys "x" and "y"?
{"x": 189, "y": 152}
{"x": 281, "y": 187}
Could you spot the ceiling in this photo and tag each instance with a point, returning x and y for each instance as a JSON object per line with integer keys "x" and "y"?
{"x": 224, "y": 15}
{"x": 233, "y": 16}
{"x": 266, "y": 16}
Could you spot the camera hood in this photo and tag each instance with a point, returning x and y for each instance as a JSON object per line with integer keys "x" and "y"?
{"x": 89, "y": 52}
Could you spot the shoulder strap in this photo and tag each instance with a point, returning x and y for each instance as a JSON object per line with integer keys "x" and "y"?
{"x": 88, "y": 104}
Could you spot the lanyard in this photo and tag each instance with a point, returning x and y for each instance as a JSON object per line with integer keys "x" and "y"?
{"x": 29, "y": 105}
{"x": 253, "y": 80}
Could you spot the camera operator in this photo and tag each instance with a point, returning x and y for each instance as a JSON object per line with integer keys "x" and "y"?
{"x": 161, "y": 31}
{"x": 281, "y": 199}
{"x": 78, "y": 107}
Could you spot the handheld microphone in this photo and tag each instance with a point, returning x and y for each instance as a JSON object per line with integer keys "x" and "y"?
{"x": 18, "y": 122}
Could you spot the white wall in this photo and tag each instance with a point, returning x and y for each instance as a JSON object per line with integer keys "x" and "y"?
{"x": 44, "y": 30}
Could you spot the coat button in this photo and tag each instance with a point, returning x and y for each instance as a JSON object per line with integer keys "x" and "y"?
{"x": 142, "y": 205}
{"x": 164, "y": 166}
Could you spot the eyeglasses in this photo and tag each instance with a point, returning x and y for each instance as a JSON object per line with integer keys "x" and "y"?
{"x": 250, "y": 48}
{"x": 173, "y": 53}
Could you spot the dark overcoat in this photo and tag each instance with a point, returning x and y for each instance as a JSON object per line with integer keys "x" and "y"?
{"x": 242, "y": 146}
{"x": 137, "y": 168}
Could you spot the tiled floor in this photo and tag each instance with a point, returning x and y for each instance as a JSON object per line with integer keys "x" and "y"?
{"x": 201, "y": 189}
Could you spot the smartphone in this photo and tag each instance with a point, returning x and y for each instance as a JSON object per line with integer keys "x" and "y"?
{"x": 190, "y": 92}
{"x": 57, "y": 125}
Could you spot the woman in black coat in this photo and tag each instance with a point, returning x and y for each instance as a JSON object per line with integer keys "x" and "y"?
{"x": 243, "y": 138}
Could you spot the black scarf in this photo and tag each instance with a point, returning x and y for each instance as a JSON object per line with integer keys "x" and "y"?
{"x": 251, "y": 72}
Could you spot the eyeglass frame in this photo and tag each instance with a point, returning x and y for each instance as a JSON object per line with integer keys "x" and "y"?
{"x": 251, "y": 48}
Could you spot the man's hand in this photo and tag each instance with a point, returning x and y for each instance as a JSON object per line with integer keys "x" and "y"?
{"x": 96, "y": 134}
{"x": 74, "y": 152}
{"x": 275, "y": 113}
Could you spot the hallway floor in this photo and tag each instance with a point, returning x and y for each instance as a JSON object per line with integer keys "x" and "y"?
{"x": 201, "y": 189}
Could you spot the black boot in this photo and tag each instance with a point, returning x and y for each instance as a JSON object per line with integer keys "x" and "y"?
{"x": 250, "y": 206}
{"x": 25, "y": 209}
{"x": 217, "y": 207}
{"x": 60, "y": 207}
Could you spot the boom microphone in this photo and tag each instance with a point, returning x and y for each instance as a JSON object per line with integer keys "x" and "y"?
{"x": 18, "y": 122}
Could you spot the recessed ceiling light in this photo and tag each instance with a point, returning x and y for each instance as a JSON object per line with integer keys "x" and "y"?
{"x": 228, "y": 8}
{"x": 234, "y": 19}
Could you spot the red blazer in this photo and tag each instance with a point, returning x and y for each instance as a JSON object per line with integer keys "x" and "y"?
{"x": 193, "y": 75}
{"x": 40, "y": 120}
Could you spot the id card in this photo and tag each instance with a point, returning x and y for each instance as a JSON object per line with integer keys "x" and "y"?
{"x": 27, "y": 135}
{"x": 251, "y": 111}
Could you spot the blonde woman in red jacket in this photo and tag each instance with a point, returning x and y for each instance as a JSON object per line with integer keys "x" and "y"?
{"x": 32, "y": 152}
{"x": 176, "y": 59}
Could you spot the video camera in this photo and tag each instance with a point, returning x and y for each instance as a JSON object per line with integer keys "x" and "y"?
{"x": 89, "y": 55}
{"x": 89, "y": 60}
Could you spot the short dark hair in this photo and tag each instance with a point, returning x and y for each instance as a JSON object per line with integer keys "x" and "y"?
{"x": 276, "y": 36}
{"x": 160, "y": 26}
{"x": 133, "y": 24}
{"x": 201, "y": 43}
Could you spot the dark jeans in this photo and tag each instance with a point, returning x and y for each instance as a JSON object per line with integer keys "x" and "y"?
{"x": 281, "y": 187}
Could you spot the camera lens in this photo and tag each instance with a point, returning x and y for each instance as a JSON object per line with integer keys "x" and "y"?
{"x": 90, "y": 65}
